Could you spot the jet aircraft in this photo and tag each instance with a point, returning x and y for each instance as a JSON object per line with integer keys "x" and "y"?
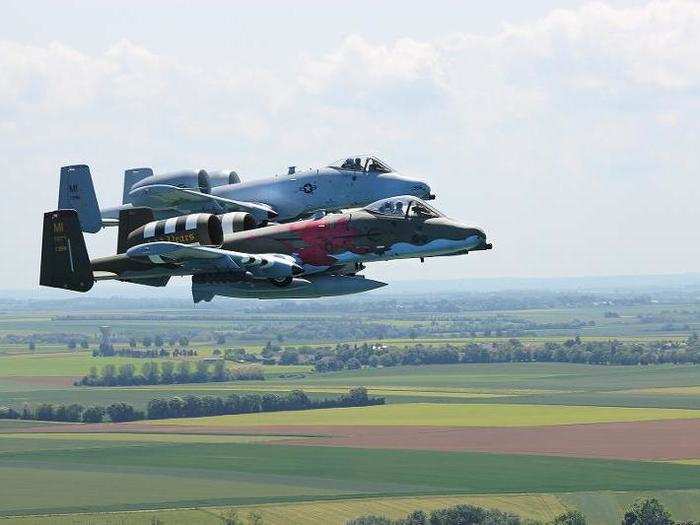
{"x": 316, "y": 257}
{"x": 350, "y": 182}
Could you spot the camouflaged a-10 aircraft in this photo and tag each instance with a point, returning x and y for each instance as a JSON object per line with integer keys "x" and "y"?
{"x": 350, "y": 182}
{"x": 316, "y": 257}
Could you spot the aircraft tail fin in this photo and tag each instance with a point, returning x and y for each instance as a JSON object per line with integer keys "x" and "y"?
{"x": 129, "y": 220}
{"x": 131, "y": 177}
{"x": 76, "y": 192}
{"x": 64, "y": 258}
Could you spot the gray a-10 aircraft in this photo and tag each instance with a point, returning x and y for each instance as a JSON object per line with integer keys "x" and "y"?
{"x": 314, "y": 257}
{"x": 350, "y": 182}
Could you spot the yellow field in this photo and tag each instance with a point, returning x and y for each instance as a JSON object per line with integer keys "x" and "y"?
{"x": 666, "y": 390}
{"x": 542, "y": 507}
{"x": 431, "y": 414}
{"x": 413, "y": 391}
{"x": 334, "y": 512}
{"x": 689, "y": 461}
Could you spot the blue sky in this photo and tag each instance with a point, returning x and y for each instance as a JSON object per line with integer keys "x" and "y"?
{"x": 567, "y": 130}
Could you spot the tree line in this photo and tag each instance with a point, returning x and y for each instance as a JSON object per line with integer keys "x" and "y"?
{"x": 143, "y": 354}
{"x": 612, "y": 352}
{"x": 167, "y": 373}
{"x": 643, "y": 511}
{"x": 190, "y": 406}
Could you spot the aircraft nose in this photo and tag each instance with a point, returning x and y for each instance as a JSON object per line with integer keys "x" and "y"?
{"x": 481, "y": 237}
{"x": 422, "y": 190}
{"x": 399, "y": 184}
{"x": 478, "y": 232}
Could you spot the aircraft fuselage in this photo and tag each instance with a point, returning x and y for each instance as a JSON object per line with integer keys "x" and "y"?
{"x": 356, "y": 237}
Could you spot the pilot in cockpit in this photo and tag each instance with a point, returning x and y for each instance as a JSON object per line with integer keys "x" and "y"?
{"x": 387, "y": 208}
{"x": 348, "y": 164}
{"x": 358, "y": 164}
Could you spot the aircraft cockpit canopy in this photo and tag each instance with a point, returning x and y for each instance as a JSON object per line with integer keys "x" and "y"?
{"x": 404, "y": 207}
{"x": 365, "y": 163}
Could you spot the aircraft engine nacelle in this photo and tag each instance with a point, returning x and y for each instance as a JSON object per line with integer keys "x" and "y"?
{"x": 201, "y": 228}
{"x": 200, "y": 180}
{"x": 191, "y": 179}
{"x": 237, "y": 221}
{"x": 223, "y": 177}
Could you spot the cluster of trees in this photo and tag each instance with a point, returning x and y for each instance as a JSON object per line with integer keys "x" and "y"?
{"x": 167, "y": 372}
{"x": 240, "y": 355}
{"x": 195, "y": 406}
{"x": 333, "y": 328}
{"x": 190, "y": 406}
{"x": 144, "y": 354}
{"x": 73, "y": 413}
{"x": 158, "y": 342}
{"x": 466, "y": 514}
{"x": 613, "y": 352}
{"x": 644, "y": 511}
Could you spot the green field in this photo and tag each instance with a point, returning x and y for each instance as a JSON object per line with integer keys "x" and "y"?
{"x": 454, "y": 415}
{"x": 109, "y": 475}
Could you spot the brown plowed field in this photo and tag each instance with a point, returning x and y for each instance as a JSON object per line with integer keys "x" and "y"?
{"x": 648, "y": 440}
{"x": 48, "y": 381}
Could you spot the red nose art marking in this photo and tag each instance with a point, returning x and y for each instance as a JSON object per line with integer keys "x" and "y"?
{"x": 322, "y": 238}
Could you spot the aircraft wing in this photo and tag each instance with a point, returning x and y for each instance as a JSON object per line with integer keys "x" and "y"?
{"x": 162, "y": 196}
{"x": 203, "y": 259}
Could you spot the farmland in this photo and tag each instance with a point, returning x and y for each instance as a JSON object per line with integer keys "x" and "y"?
{"x": 507, "y": 435}
{"x": 453, "y": 415}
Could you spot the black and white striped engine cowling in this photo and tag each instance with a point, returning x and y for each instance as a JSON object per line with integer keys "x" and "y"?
{"x": 200, "y": 228}
{"x": 237, "y": 221}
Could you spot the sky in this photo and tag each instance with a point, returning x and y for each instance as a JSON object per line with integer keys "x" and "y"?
{"x": 567, "y": 130}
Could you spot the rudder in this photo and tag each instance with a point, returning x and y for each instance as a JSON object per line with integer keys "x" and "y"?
{"x": 64, "y": 259}
{"x": 129, "y": 220}
{"x": 131, "y": 177}
{"x": 76, "y": 192}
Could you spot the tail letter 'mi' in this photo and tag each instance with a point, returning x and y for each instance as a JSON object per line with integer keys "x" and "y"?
{"x": 64, "y": 258}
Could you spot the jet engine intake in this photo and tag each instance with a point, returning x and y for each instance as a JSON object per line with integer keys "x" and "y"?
{"x": 237, "y": 221}
{"x": 200, "y": 228}
{"x": 223, "y": 177}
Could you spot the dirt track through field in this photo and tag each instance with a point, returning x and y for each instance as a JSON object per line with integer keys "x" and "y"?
{"x": 643, "y": 440}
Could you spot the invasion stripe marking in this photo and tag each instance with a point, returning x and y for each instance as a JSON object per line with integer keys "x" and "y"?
{"x": 227, "y": 223}
{"x": 149, "y": 230}
{"x": 191, "y": 222}
{"x": 170, "y": 225}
